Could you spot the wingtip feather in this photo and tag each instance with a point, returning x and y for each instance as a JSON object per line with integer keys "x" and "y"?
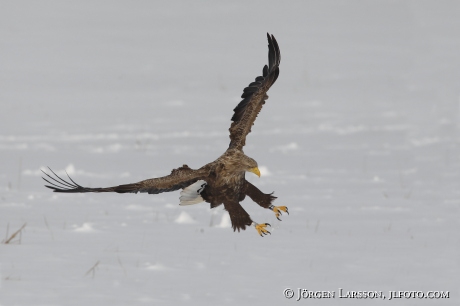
{"x": 270, "y": 74}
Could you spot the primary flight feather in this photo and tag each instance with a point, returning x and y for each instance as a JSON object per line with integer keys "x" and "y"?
{"x": 221, "y": 181}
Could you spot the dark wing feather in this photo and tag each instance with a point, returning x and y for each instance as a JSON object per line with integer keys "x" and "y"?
{"x": 178, "y": 179}
{"x": 254, "y": 97}
{"x": 239, "y": 217}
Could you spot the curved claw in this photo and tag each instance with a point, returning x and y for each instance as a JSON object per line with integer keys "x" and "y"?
{"x": 278, "y": 211}
{"x": 261, "y": 229}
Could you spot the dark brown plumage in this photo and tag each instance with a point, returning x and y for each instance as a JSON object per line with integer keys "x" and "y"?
{"x": 224, "y": 178}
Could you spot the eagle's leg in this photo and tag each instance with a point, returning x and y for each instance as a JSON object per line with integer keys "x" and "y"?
{"x": 264, "y": 200}
{"x": 261, "y": 228}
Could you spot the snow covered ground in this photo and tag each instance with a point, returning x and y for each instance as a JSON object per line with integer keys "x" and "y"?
{"x": 360, "y": 139}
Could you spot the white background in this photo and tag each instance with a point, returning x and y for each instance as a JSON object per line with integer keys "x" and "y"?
{"x": 360, "y": 139}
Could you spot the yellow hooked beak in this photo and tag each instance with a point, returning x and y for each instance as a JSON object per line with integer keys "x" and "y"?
{"x": 255, "y": 170}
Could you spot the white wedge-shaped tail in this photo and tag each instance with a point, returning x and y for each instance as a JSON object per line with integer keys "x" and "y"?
{"x": 192, "y": 194}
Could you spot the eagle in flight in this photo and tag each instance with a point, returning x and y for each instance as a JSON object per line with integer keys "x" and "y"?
{"x": 223, "y": 180}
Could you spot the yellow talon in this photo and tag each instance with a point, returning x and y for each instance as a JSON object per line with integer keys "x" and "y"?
{"x": 278, "y": 209}
{"x": 261, "y": 228}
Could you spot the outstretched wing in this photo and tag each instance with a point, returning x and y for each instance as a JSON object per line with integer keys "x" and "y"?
{"x": 179, "y": 178}
{"x": 254, "y": 97}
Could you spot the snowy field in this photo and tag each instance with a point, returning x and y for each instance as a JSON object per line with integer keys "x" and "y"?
{"x": 360, "y": 139}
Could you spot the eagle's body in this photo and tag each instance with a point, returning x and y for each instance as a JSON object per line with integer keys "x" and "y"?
{"x": 224, "y": 178}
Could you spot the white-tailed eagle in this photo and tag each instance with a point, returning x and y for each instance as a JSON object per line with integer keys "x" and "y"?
{"x": 223, "y": 180}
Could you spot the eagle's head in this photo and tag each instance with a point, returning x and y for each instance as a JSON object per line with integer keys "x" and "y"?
{"x": 251, "y": 166}
{"x": 246, "y": 163}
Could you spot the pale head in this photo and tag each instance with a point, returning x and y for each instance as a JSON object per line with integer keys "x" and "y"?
{"x": 246, "y": 163}
{"x": 252, "y": 166}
